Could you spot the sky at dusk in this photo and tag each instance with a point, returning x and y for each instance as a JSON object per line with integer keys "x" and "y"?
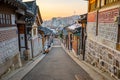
{"x": 61, "y": 8}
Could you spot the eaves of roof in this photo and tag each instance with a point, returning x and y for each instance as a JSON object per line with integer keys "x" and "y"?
{"x": 15, "y": 3}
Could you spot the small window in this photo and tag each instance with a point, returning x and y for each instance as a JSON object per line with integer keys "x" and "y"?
{"x": 8, "y": 19}
{"x": 5, "y": 19}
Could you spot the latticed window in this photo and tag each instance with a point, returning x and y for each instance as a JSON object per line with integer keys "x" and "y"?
{"x": 100, "y": 3}
{"x": 5, "y": 19}
{"x": 8, "y": 19}
{"x": 0, "y": 18}
{"x": 110, "y": 1}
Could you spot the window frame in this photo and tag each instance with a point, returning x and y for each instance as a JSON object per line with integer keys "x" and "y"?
{"x": 5, "y": 19}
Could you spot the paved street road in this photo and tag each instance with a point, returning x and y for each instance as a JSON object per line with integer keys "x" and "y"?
{"x": 56, "y": 65}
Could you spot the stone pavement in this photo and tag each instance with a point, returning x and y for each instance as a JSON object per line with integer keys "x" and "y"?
{"x": 57, "y": 65}
{"x": 94, "y": 73}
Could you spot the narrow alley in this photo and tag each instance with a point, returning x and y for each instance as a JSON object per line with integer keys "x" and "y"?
{"x": 59, "y": 39}
{"x": 56, "y": 65}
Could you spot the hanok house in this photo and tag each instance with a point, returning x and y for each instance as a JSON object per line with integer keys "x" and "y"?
{"x": 10, "y": 11}
{"x": 41, "y": 32}
{"x": 46, "y": 35}
{"x": 33, "y": 19}
{"x": 65, "y": 37}
{"x": 74, "y": 38}
{"x": 103, "y": 35}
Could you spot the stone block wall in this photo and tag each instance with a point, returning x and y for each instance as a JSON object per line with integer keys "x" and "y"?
{"x": 8, "y": 48}
{"x": 103, "y": 57}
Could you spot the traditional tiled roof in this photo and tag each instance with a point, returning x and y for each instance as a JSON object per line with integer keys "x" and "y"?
{"x": 45, "y": 30}
{"x": 74, "y": 28}
{"x": 32, "y": 10}
{"x": 15, "y": 3}
{"x": 83, "y": 18}
{"x": 32, "y": 7}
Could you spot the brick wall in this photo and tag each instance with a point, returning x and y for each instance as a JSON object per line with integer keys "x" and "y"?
{"x": 7, "y": 34}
